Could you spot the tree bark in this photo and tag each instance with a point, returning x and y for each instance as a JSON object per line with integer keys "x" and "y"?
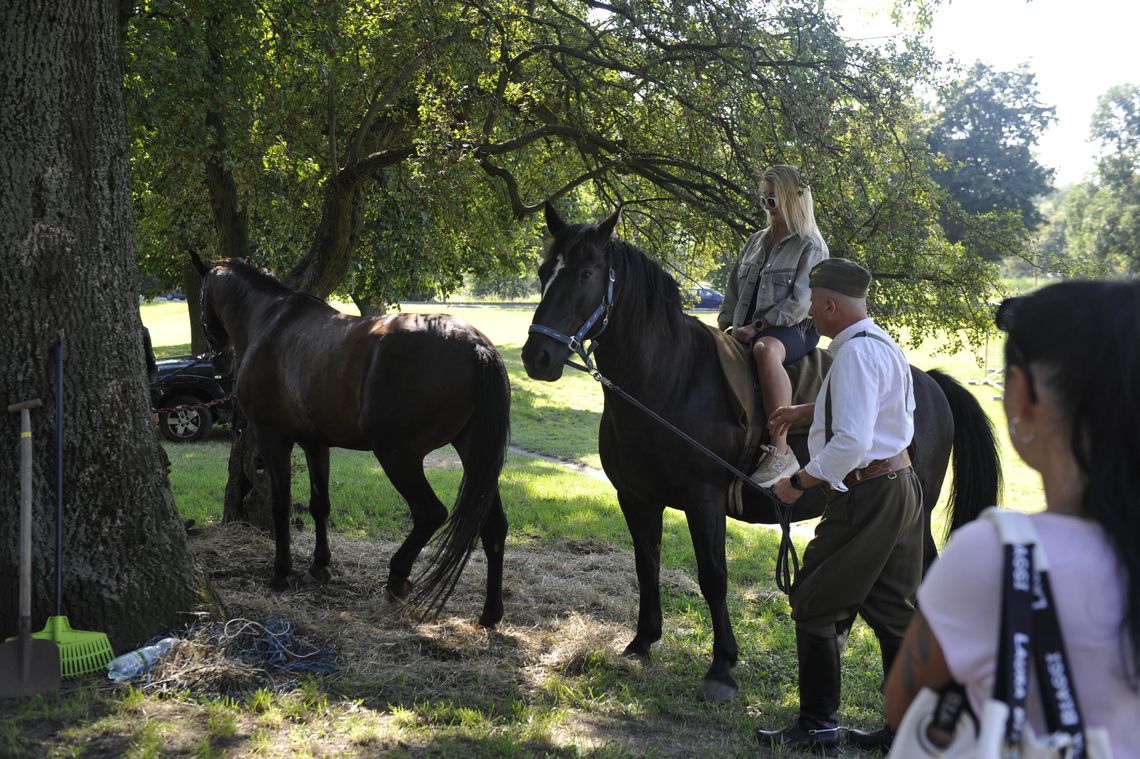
{"x": 369, "y": 309}
{"x": 192, "y": 287}
{"x": 230, "y": 217}
{"x": 330, "y": 256}
{"x": 67, "y": 253}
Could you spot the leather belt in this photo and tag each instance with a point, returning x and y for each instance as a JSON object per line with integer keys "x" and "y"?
{"x": 878, "y": 468}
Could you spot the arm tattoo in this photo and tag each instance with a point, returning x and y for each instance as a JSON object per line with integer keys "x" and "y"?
{"x": 917, "y": 656}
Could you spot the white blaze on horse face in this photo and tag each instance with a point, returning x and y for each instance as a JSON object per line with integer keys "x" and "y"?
{"x": 559, "y": 264}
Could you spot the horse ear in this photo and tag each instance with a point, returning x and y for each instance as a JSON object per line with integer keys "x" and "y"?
{"x": 606, "y": 228}
{"x": 553, "y": 221}
{"x": 201, "y": 267}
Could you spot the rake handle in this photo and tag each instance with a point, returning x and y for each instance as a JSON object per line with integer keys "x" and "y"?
{"x": 24, "y": 407}
{"x": 59, "y": 476}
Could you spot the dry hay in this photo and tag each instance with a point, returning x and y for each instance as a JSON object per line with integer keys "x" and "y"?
{"x": 563, "y": 604}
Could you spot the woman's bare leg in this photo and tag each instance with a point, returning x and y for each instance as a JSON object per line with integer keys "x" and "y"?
{"x": 775, "y": 386}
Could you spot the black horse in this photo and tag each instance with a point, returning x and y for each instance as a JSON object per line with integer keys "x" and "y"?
{"x": 597, "y": 287}
{"x": 398, "y": 385}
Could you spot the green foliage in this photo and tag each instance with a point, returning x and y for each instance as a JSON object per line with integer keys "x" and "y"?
{"x": 450, "y": 123}
{"x": 984, "y": 130}
{"x": 1094, "y": 226}
{"x": 982, "y": 135}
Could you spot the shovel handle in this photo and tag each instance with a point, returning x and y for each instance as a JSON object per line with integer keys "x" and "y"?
{"x": 25, "y": 509}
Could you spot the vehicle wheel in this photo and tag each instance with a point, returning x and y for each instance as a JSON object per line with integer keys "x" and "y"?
{"x": 186, "y": 425}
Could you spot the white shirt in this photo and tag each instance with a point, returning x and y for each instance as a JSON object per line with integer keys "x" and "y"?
{"x": 961, "y": 600}
{"x": 872, "y": 405}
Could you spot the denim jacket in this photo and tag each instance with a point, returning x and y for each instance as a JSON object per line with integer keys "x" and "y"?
{"x": 784, "y": 297}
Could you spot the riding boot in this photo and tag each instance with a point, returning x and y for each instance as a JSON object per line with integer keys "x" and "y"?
{"x": 816, "y": 728}
{"x": 878, "y": 740}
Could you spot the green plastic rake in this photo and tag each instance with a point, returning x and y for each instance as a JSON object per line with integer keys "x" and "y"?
{"x": 80, "y": 652}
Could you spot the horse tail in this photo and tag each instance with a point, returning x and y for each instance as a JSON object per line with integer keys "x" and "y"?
{"x": 489, "y": 427}
{"x": 976, "y": 464}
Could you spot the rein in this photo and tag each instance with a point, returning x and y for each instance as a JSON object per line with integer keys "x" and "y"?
{"x": 787, "y": 559}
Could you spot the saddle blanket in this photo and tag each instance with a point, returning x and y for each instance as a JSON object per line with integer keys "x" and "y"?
{"x": 739, "y": 371}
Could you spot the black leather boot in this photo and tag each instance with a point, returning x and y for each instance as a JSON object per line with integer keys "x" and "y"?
{"x": 816, "y": 728}
{"x": 878, "y": 740}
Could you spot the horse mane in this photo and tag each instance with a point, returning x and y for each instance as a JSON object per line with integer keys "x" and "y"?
{"x": 255, "y": 280}
{"x": 657, "y": 303}
{"x": 261, "y": 279}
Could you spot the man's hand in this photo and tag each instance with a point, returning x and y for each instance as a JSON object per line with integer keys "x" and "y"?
{"x": 785, "y": 492}
{"x": 785, "y": 416}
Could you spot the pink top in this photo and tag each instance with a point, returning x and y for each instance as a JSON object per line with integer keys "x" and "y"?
{"x": 961, "y": 600}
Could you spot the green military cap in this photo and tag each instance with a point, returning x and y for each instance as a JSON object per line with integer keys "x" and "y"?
{"x": 841, "y": 275}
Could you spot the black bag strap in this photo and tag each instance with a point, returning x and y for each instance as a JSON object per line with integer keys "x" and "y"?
{"x": 1054, "y": 675}
{"x": 1011, "y": 677}
{"x": 952, "y": 704}
{"x": 1030, "y": 628}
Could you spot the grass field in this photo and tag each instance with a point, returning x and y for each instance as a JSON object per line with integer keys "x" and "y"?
{"x": 556, "y": 684}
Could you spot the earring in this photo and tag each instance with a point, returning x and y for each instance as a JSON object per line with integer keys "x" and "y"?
{"x": 1013, "y": 431}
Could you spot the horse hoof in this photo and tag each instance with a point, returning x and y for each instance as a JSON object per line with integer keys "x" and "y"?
{"x": 317, "y": 576}
{"x": 400, "y": 594}
{"x": 287, "y": 582}
{"x": 636, "y": 653}
{"x": 716, "y": 691}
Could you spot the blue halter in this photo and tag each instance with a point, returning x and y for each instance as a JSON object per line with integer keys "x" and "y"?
{"x": 576, "y": 341}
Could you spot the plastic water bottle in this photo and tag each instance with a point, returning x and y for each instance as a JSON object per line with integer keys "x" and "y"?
{"x": 139, "y": 661}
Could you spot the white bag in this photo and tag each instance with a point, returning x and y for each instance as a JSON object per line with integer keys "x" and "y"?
{"x": 915, "y": 738}
{"x": 940, "y": 724}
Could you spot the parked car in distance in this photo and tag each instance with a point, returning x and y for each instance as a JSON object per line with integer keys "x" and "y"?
{"x": 704, "y": 297}
{"x": 179, "y": 392}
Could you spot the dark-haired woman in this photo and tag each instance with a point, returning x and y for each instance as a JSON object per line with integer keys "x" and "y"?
{"x": 1072, "y": 400}
{"x": 767, "y": 299}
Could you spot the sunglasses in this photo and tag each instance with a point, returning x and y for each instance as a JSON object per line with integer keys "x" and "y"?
{"x": 1003, "y": 318}
{"x": 768, "y": 201}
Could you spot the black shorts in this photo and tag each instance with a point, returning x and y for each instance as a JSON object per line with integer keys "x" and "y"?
{"x": 797, "y": 341}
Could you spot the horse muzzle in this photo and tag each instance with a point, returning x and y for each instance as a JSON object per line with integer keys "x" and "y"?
{"x": 223, "y": 360}
{"x": 544, "y": 358}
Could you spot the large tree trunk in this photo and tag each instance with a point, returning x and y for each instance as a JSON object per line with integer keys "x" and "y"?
{"x": 192, "y": 287}
{"x": 68, "y": 262}
{"x": 330, "y": 257}
{"x": 230, "y": 217}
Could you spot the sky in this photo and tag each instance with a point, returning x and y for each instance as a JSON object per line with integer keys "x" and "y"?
{"x": 1076, "y": 48}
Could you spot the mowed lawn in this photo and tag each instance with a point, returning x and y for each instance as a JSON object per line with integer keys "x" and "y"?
{"x": 550, "y": 681}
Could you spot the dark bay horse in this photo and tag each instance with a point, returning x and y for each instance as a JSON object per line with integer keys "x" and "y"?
{"x": 645, "y": 344}
{"x": 398, "y": 385}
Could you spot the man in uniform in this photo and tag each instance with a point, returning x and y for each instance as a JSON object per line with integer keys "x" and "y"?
{"x": 866, "y": 556}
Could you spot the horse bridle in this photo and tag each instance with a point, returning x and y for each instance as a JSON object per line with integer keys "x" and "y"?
{"x": 576, "y": 342}
{"x": 211, "y": 343}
